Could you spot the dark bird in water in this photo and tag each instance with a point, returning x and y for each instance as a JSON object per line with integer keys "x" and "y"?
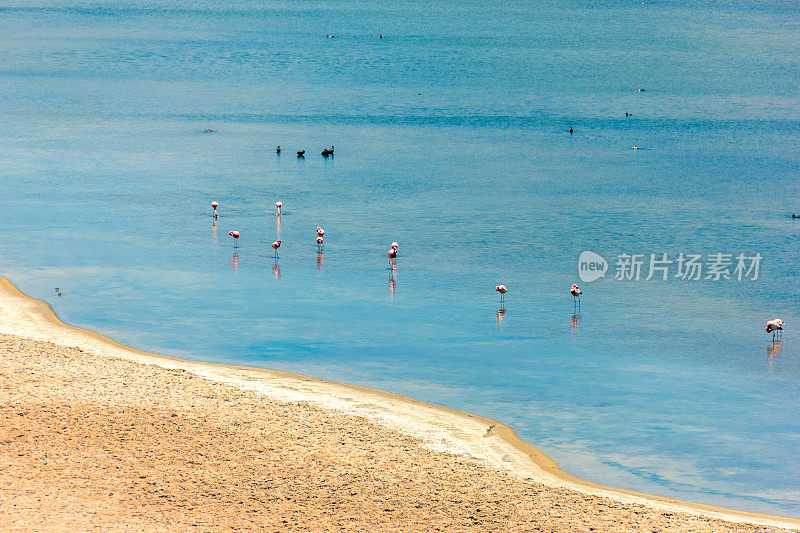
{"x": 570, "y": 130}
{"x": 301, "y": 153}
{"x": 326, "y": 152}
{"x": 208, "y": 130}
{"x": 628, "y": 114}
{"x": 58, "y": 292}
{"x": 278, "y": 149}
{"x": 641, "y": 90}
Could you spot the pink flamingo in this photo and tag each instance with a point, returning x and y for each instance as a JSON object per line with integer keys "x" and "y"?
{"x": 576, "y": 294}
{"x": 775, "y": 325}
{"x": 319, "y": 244}
{"x": 275, "y": 246}
{"x": 320, "y": 232}
{"x": 392, "y": 253}
{"x": 394, "y": 246}
{"x": 279, "y": 205}
{"x": 214, "y": 208}
{"x": 235, "y": 235}
{"x": 502, "y": 289}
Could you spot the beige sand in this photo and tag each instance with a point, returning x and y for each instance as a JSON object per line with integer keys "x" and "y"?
{"x": 91, "y": 436}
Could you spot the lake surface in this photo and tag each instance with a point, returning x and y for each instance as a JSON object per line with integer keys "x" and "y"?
{"x": 451, "y": 138}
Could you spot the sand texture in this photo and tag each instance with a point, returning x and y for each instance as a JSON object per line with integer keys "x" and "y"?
{"x": 94, "y": 442}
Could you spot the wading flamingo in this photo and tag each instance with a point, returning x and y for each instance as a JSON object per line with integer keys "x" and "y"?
{"x": 214, "y": 206}
{"x": 278, "y": 205}
{"x": 320, "y": 232}
{"x": 235, "y": 235}
{"x": 774, "y": 326}
{"x": 275, "y": 246}
{"x": 502, "y": 289}
{"x": 576, "y": 294}
{"x": 319, "y": 244}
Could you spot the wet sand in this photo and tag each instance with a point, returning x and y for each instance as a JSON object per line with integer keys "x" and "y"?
{"x": 98, "y": 436}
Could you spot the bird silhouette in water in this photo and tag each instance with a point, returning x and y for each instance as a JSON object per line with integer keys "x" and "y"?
{"x": 58, "y": 292}
{"x": 301, "y": 154}
{"x": 278, "y": 149}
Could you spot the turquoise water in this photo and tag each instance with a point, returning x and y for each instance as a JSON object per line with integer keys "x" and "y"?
{"x": 451, "y": 139}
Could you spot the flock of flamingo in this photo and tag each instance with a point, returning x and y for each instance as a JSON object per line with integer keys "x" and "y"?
{"x": 774, "y": 326}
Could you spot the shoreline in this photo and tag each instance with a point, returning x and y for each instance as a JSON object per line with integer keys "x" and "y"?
{"x": 439, "y": 428}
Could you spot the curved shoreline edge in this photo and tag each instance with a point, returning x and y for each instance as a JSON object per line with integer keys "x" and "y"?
{"x": 440, "y": 428}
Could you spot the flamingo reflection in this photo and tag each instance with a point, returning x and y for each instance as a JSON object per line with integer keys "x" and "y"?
{"x": 773, "y": 349}
{"x": 276, "y": 270}
{"x": 278, "y": 226}
{"x": 393, "y": 284}
{"x": 214, "y": 230}
{"x": 320, "y": 259}
{"x": 500, "y": 315}
{"x": 234, "y": 261}
{"x": 574, "y": 322}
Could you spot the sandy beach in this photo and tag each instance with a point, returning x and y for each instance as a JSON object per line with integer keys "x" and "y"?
{"x": 99, "y": 436}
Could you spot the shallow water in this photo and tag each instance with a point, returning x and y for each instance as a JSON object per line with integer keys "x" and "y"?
{"x": 451, "y": 139}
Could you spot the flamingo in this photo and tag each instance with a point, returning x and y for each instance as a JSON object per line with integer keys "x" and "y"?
{"x": 214, "y": 206}
{"x": 775, "y": 325}
{"x": 279, "y": 205}
{"x": 319, "y": 244}
{"x": 235, "y": 235}
{"x": 320, "y": 232}
{"x": 394, "y": 246}
{"x": 392, "y": 253}
{"x": 576, "y": 294}
{"x": 275, "y": 246}
{"x": 502, "y": 289}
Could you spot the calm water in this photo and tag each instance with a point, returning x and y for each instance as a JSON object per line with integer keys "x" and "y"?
{"x": 451, "y": 138}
